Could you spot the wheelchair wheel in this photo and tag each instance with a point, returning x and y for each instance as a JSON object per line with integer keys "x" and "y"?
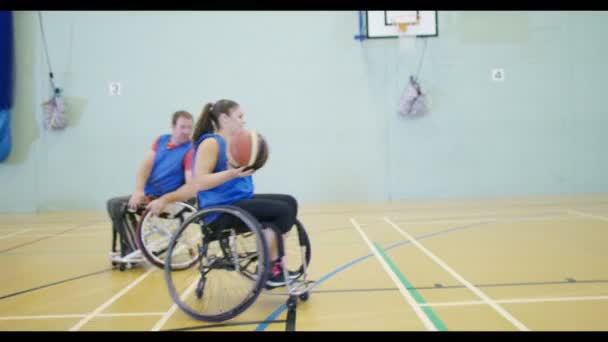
{"x": 154, "y": 233}
{"x": 231, "y": 267}
{"x": 297, "y": 249}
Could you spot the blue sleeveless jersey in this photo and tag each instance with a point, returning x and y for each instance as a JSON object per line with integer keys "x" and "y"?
{"x": 167, "y": 174}
{"x": 228, "y": 192}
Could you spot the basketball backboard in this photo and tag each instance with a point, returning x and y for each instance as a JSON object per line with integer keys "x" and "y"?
{"x": 384, "y": 24}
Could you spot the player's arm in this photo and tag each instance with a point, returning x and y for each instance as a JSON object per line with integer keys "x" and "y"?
{"x": 143, "y": 173}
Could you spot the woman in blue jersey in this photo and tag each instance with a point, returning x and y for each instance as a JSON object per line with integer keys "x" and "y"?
{"x": 217, "y": 183}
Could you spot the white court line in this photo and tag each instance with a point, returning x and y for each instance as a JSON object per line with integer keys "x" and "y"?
{"x": 520, "y": 301}
{"x": 10, "y": 318}
{"x": 532, "y": 218}
{"x": 470, "y": 216}
{"x": 126, "y": 314}
{"x": 458, "y": 277}
{"x": 171, "y": 310}
{"x": 408, "y": 297}
{"x": 173, "y": 307}
{"x": 109, "y": 302}
{"x": 131, "y": 314}
{"x": 580, "y": 213}
{"x": 486, "y": 219}
{"x": 63, "y": 235}
{"x": 13, "y": 234}
{"x": 475, "y": 220}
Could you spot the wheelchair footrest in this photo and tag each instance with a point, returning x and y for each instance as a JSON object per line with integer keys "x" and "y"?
{"x": 132, "y": 258}
{"x": 300, "y": 287}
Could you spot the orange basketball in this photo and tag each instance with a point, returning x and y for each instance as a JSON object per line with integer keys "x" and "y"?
{"x": 248, "y": 148}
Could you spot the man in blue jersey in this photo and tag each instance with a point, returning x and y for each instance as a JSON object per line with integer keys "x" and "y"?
{"x": 166, "y": 167}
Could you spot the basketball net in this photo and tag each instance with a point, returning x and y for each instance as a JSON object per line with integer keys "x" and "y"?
{"x": 407, "y": 41}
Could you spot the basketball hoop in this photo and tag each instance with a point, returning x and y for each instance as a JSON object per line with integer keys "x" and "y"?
{"x": 403, "y": 21}
{"x": 406, "y": 40}
{"x": 402, "y": 27}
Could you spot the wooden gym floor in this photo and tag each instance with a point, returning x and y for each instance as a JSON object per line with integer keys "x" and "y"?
{"x": 536, "y": 263}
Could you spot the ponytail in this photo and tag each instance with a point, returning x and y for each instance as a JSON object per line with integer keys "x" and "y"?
{"x": 205, "y": 123}
{"x": 208, "y": 121}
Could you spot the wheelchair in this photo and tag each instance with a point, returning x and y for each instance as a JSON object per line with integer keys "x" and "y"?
{"x": 232, "y": 263}
{"x": 149, "y": 235}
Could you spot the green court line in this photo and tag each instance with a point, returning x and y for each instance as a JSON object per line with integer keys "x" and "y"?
{"x": 427, "y": 309}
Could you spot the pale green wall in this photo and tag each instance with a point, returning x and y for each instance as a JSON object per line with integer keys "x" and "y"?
{"x": 325, "y": 102}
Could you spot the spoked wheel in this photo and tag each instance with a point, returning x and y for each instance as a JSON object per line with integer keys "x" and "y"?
{"x": 154, "y": 233}
{"x": 231, "y": 266}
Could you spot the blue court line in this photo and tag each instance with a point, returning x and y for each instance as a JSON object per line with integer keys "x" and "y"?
{"x": 283, "y": 307}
